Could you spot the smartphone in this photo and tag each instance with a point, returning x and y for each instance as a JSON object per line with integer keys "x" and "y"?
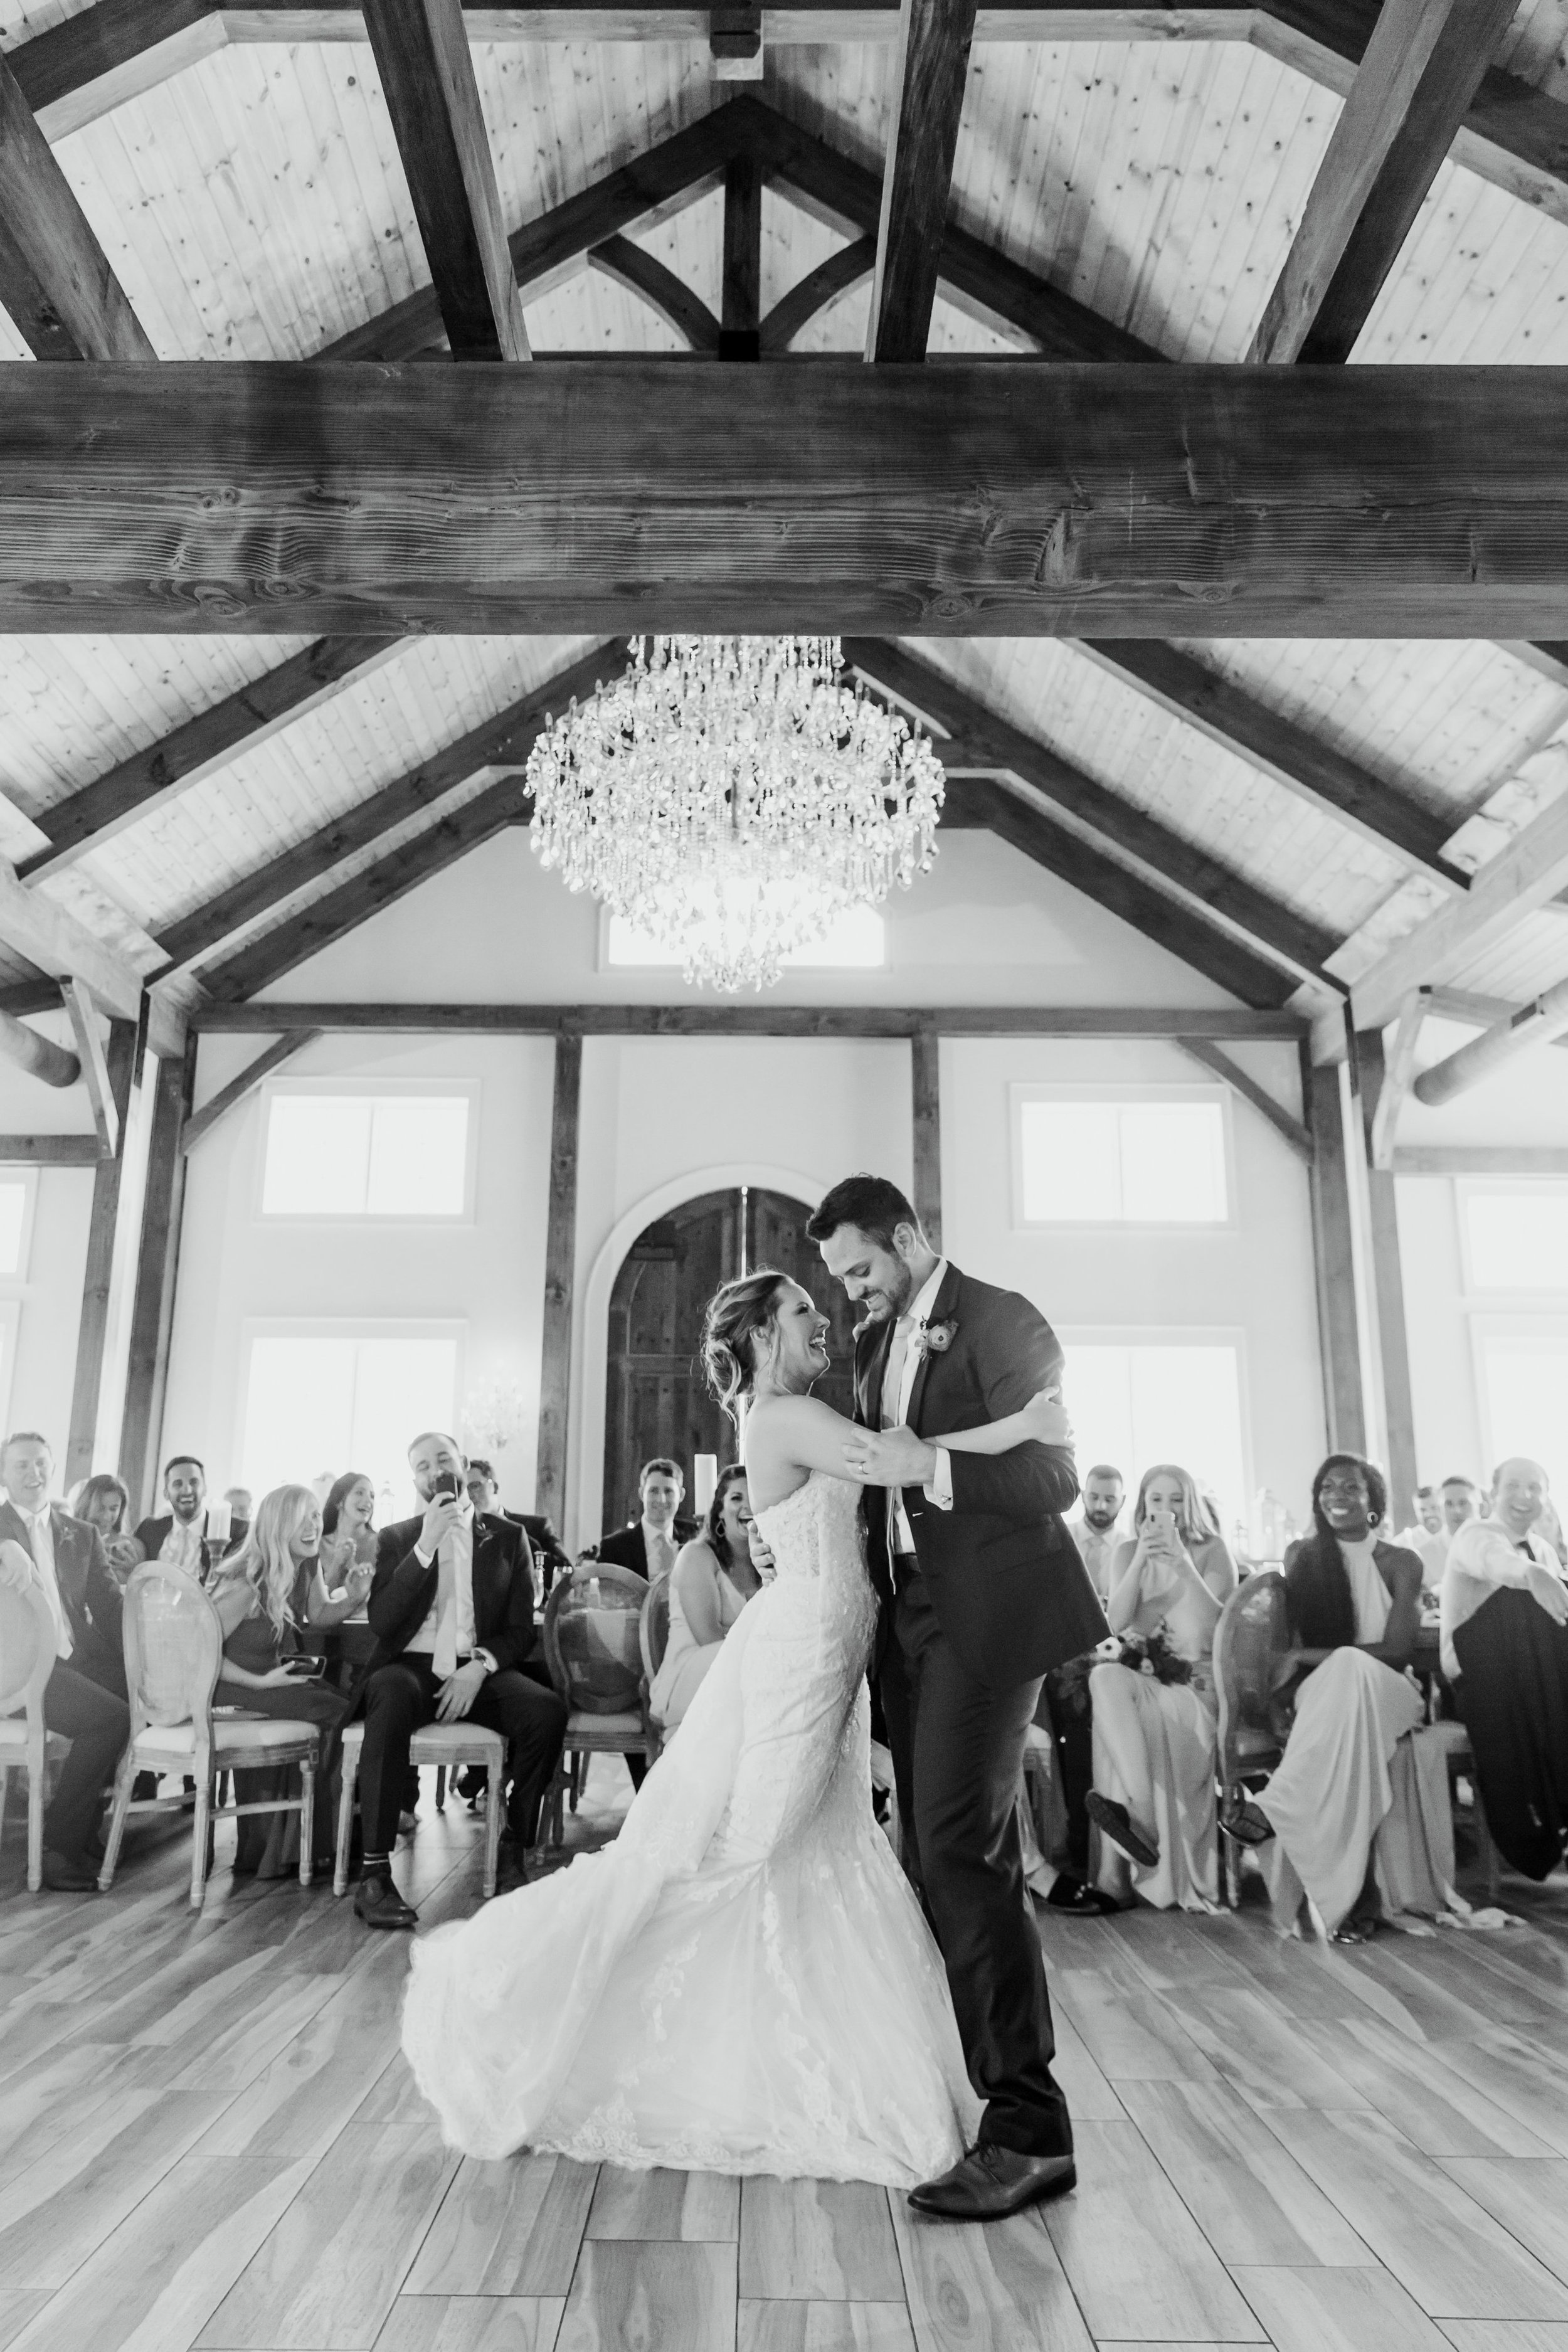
{"x": 447, "y": 1484}
{"x": 1164, "y": 1522}
{"x": 305, "y": 1670}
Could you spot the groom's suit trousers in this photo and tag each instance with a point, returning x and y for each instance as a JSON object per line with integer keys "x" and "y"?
{"x": 957, "y": 1752}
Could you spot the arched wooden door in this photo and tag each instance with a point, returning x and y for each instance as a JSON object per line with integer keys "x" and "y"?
{"x": 656, "y": 1399}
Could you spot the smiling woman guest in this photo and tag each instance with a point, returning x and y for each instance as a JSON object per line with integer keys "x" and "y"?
{"x": 341, "y": 1584}
{"x": 709, "y": 1585}
{"x": 1354, "y": 1604}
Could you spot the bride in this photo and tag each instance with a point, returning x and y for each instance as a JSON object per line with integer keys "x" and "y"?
{"x": 744, "y": 1983}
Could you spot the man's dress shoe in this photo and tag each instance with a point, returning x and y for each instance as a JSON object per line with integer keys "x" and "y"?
{"x": 379, "y": 1904}
{"x": 990, "y": 2182}
{"x": 68, "y": 1874}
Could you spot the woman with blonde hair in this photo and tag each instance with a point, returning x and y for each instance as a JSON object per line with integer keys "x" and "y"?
{"x": 1154, "y": 1712}
{"x": 264, "y": 1671}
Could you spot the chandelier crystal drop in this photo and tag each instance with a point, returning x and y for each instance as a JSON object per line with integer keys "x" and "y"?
{"x": 730, "y": 796}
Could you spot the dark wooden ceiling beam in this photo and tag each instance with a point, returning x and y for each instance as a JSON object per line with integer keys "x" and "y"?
{"x": 426, "y": 69}
{"x": 931, "y": 76}
{"x": 985, "y": 740}
{"x": 504, "y": 740}
{"x": 90, "y": 817}
{"x": 660, "y": 288}
{"x": 795, "y": 310}
{"x": 740, "y": 335}
{"x": 1314, "y": 771}
{"x": 1422, "y": 66}
{"x": 1117, "y": 502}
{"x": 771, "y": 1019}
{"x": 55, "y": 281}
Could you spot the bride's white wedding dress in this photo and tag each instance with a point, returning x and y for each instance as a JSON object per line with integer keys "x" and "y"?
{"x": 743, "y": 1981}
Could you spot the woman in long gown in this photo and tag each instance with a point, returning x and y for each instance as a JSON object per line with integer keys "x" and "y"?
{"x": 744, "y": 1983}
{"x": 711, "y": 1583}
{"x": 1354, "y": 1606}
{"x": 1154, "y": 1739}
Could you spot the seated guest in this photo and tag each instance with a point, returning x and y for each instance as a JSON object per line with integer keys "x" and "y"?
{"x": 1155, "y": 1733}
{"x": 1095, "y": 1533}
{"x": 550, "y": 1555}
{"x": 346, "y": 1563}
{"x": 179, "y": 1534}
{"x": 253, "y": 1591}
{"x": 1505, "y": 1650}
{"x": 239, "y": 1512}
{"x": 649, "y": 1545}
{"x": 102, "y": 1502}
{"x": 84, "y": 1698}
{"x": 709, "y": 1585}
{"x": 452, "y": 1611}
{"x": 1353, "y": 1602}
{"x": 1428, "y": 1537}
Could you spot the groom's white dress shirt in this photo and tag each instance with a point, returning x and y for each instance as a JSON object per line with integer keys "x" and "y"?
{"x": 898, "y": 1387}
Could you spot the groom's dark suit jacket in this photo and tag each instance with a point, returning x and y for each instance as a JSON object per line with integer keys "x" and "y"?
{"x": 1008, "y": 1587}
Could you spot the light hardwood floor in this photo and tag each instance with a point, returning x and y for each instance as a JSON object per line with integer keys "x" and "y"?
{"x": 208, "y": 2139}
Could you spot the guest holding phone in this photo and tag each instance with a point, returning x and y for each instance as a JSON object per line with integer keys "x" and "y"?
{"x": 264, "y": 1673}
{"x": 1155, "y": 1711}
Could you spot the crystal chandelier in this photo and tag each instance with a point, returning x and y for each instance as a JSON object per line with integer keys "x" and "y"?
{"x": 730, "y": 797}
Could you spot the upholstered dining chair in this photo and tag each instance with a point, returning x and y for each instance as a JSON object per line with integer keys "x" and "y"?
{"x": 27, "y": 1661}
{"x": 1252, "y": 1635}
{"x": 173, "y": 1654}
{"x": 593, "y": 1646}
{"x": 447, "y": 1745}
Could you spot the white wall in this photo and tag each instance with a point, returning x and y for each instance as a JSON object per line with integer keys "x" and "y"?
{"x": 50, "y": 1295}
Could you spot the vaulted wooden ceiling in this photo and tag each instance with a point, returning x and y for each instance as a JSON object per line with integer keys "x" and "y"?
{"x": 1135, "y": 202}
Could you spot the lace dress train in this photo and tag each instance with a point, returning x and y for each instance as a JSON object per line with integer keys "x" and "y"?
{"x": 744, "y": 1983}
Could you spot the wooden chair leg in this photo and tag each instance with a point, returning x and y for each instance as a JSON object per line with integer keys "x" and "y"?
{"x": 125, "y": 1781}
{"x": 346, "y": 1821}
{"x": 493, "y": 1811}
{"x": 201, "y": 1829}
{"x": 576, "y": 1783}
{"x": 307, "y": 1819}
{"x": 38, "y": 1776}
{"x": 440, "y": 1788}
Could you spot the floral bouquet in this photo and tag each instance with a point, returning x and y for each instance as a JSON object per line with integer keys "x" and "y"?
{"x": 1152, "y": 1654}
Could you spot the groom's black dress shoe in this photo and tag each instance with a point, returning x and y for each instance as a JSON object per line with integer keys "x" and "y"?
{"x": 990, "y": 2182}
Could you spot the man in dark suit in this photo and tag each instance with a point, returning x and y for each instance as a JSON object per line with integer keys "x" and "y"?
{"x": 647, "y": 1546}
{"x": 180, "y": 1534}
{"x": 451, "y": 1608}
{"x": 484, "y": 1493}
{"x": 982, "y": 1590}
{"x": 84, "y": 1698}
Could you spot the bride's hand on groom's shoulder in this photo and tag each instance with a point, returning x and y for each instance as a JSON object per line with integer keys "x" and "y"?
{"x": 1045, "y": 1418}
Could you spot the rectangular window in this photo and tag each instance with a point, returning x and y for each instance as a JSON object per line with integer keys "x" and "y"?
{"x": 18, "y": 1190}
{"x": 1522, "y": 1376}
{"x": 366, "y": 1155}
{"x": 855, "y": 941}
{"x": 326, "y": 1398}
{"x": 1135, "y": 1402}
{"x": 1516, "y": 1235}
{"x": 1097, "y": 1158}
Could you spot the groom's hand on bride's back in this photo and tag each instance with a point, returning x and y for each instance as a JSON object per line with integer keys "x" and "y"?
{"x": 890, "y": 1458}
{"x": 762, "y": 1554}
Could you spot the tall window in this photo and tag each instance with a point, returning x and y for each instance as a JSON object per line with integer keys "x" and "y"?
{"x": 1515, "y": 1238}
{"x": 855, "y": 941}
{"x": 321, "y": 1399}
{"x": 1133, "y": 1402}
{"x": 1516, "y": 1235}
{"x": 1090, "y": 1157}
{"x": 366, "y": 1155}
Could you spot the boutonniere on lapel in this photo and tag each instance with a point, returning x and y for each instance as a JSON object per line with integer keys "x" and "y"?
{"x": 938, "y": 1338}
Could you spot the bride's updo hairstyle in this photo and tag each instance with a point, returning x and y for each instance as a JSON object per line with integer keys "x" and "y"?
{"x": 735, "y": 1315}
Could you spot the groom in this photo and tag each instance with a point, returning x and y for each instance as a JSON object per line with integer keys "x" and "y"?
{"x": 981, "y": 1591}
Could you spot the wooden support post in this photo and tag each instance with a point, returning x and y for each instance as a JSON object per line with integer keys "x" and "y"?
{"x": 1388, "y": 1284}
{"x": 283, "y": 1050}
{"x": 925, "y": 1047}
{"x": 560, "y": 1256}
{"x": 1339, "y": 1328}
{"x": 739, "y": 330}
{"x": 93, "y": 1065}
{"x": 122, "y": 1056}
{"x": 157, "y": 1268}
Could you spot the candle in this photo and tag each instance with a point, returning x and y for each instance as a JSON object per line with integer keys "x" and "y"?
{"x": 707, "y": 1476}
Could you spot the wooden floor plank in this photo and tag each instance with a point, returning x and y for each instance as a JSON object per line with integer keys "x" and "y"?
{"x": 297, "y": 2103}
{"x": 1248, "y": 2194}
{"x": 18, "y": 2306}
{"x": 1132, "y": 2036}
{"x": 677, "y": 2205}
{"x": 155, "y": 2281}
{"x": 1136, "y": 2260}
{"x": 1339, "y": 2311}
{"x": 817, "y": 2242}
{"x": 1088, "y": 2092}
{"x": 327, "y": 2273}
{"x": 656, "y": 2297}
{"x": 59, "y": 2211}
{"x": 1408, "y": 2083}
{"x": 509, "y": 2228}
{"x": 1528, "y": 2197}
{"x": 1000, "y": 2285}
{"x": 472, "y": 2323}
{"x": 1451, "y": 2256}
{"x": 1257, "y": 2047}
{"x": 1506, "y": 2335}
{"x": 1528, "y": 2078}
{"x": 824, "y": 2327}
